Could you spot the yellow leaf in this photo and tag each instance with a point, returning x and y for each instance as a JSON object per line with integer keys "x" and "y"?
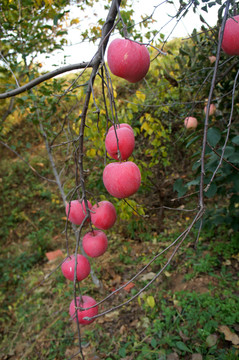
{"x": 167, "y": 274}
{"x": 145, "y": 126}
{"x": 140, "y": 95}
{"x": 91, "y": 152}
{"x": 150, "y": 301}
{"x": 75, "y": 21}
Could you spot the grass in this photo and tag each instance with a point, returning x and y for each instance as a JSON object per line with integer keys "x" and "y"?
{"x": 180, "y": 313}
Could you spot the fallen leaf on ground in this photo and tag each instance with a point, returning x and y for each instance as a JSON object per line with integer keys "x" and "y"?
{"x": 211, "y": 340}
{"x": 173, "y": 356}
{"x": 197, "y": 357}
{"x": 229, "y": 336}
{"x": 183, "y": 336}
{"x": 129, "y": 287}
{"x": 52, "y": 255}
{"x": 148, "y": 276}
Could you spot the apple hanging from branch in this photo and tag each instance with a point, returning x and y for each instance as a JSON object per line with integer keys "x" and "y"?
{"x": 77, "y": 211}
{"x": 128, "y": 59}
{"x": 95, "y": 243}
{"x": 190, "y": 122}
{"x": 103, "y": 215}
{"x": 84, "y": 302}
{"x": 82, "y": 269}
{"x": 230, "y": 41}
{"x": 126, "y": 142}
{"x": 122, "y": 179}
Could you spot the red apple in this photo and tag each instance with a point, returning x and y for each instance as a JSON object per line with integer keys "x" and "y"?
{"x": 190, "y": 122}
{"x": 103, "y": 215}
{"x": 77, "y": 211}
{"x": 85, "y": 302}
{"x": 118, "y": 126}
{"x": 211, "y": 110}
{"x": 95, "y": 243}
{"x": 122, "y": 179}
{"x": 230, "y": 41}
{"x": 128, "y": 59}
{"x": 83, "y": 267}
{"x": 126, "y": 142}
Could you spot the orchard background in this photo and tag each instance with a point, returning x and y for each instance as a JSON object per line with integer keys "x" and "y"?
{"x": 185, "y": 304}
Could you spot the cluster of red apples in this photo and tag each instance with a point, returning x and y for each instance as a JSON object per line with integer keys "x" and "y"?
{"x": 95, "y": 243}
{"x": 129, "y": 60}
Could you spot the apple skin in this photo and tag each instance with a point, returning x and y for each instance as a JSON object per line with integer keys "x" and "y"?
{"x": 128, "y": 59}
{"x": 118, "y": 126}
{"x": 211, "y": 110}
{"x": 95, "y": 243}
{"x": 77, "y": 211}
{"x": 87, "y": 301}
{"x": 126, "y": 141}
{"x": 103, "y": 215}
{"x": 230, "y": 41}
{"x": 122, "y": 179}
{"x": 190, "y": 122}
{"x": 83, "y": 267}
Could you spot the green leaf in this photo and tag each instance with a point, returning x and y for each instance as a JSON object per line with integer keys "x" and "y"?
{"x": 122, "y": 352}
{"x": 234, "y": 158}
{"x": 179, "y": 187}
{"x": 235, "y": 140}
{"x": 211, "y": 191}
{"x": 181, "y": 346}
{"x": 192, "y": 141}
{"x": 154, "y": 343}
{"x": 213, "y": 136}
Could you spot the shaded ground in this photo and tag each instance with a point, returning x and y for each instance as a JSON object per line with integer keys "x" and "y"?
{"x": 180, "y": 316}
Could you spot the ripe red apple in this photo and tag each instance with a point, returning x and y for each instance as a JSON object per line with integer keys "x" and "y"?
{"x": 230, "y": 41}
{"x": 77, "y": 211}
{"x": 211, "y": 110}
{"x": 122, "y": 179}
{"x": 190, "y": 122}
{"x": 95, "y": 243}
{"x": 118, "y": 126}
{"x": 83, "y": 267}
{"x": 126, "y": 142}
{"x": 103, "y": 215}
{"x": 128, "y": 59}
{"x": 86, "y": 301}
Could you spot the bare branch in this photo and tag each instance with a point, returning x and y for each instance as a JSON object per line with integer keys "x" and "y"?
{"x": 45, "y": 77}
{"x": 227, "y": 136}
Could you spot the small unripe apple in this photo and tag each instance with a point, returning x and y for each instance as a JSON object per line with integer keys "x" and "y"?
{"x": 128, "y": 59}
{"x": 82, "y": 270}
{"x": 122, "y": 179}
{"x": 84, "y": 302}
{"x": 103, "y": 215}
{"x": 212, "y": 59}
{"x": 190, "y": 122}
{"x": 126, "y": 141}
{"x": 211, "y": 110}
{"x": 230, "y": 41}
{"x": 77, "y": 211}
{"x": 95, "y": 243}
